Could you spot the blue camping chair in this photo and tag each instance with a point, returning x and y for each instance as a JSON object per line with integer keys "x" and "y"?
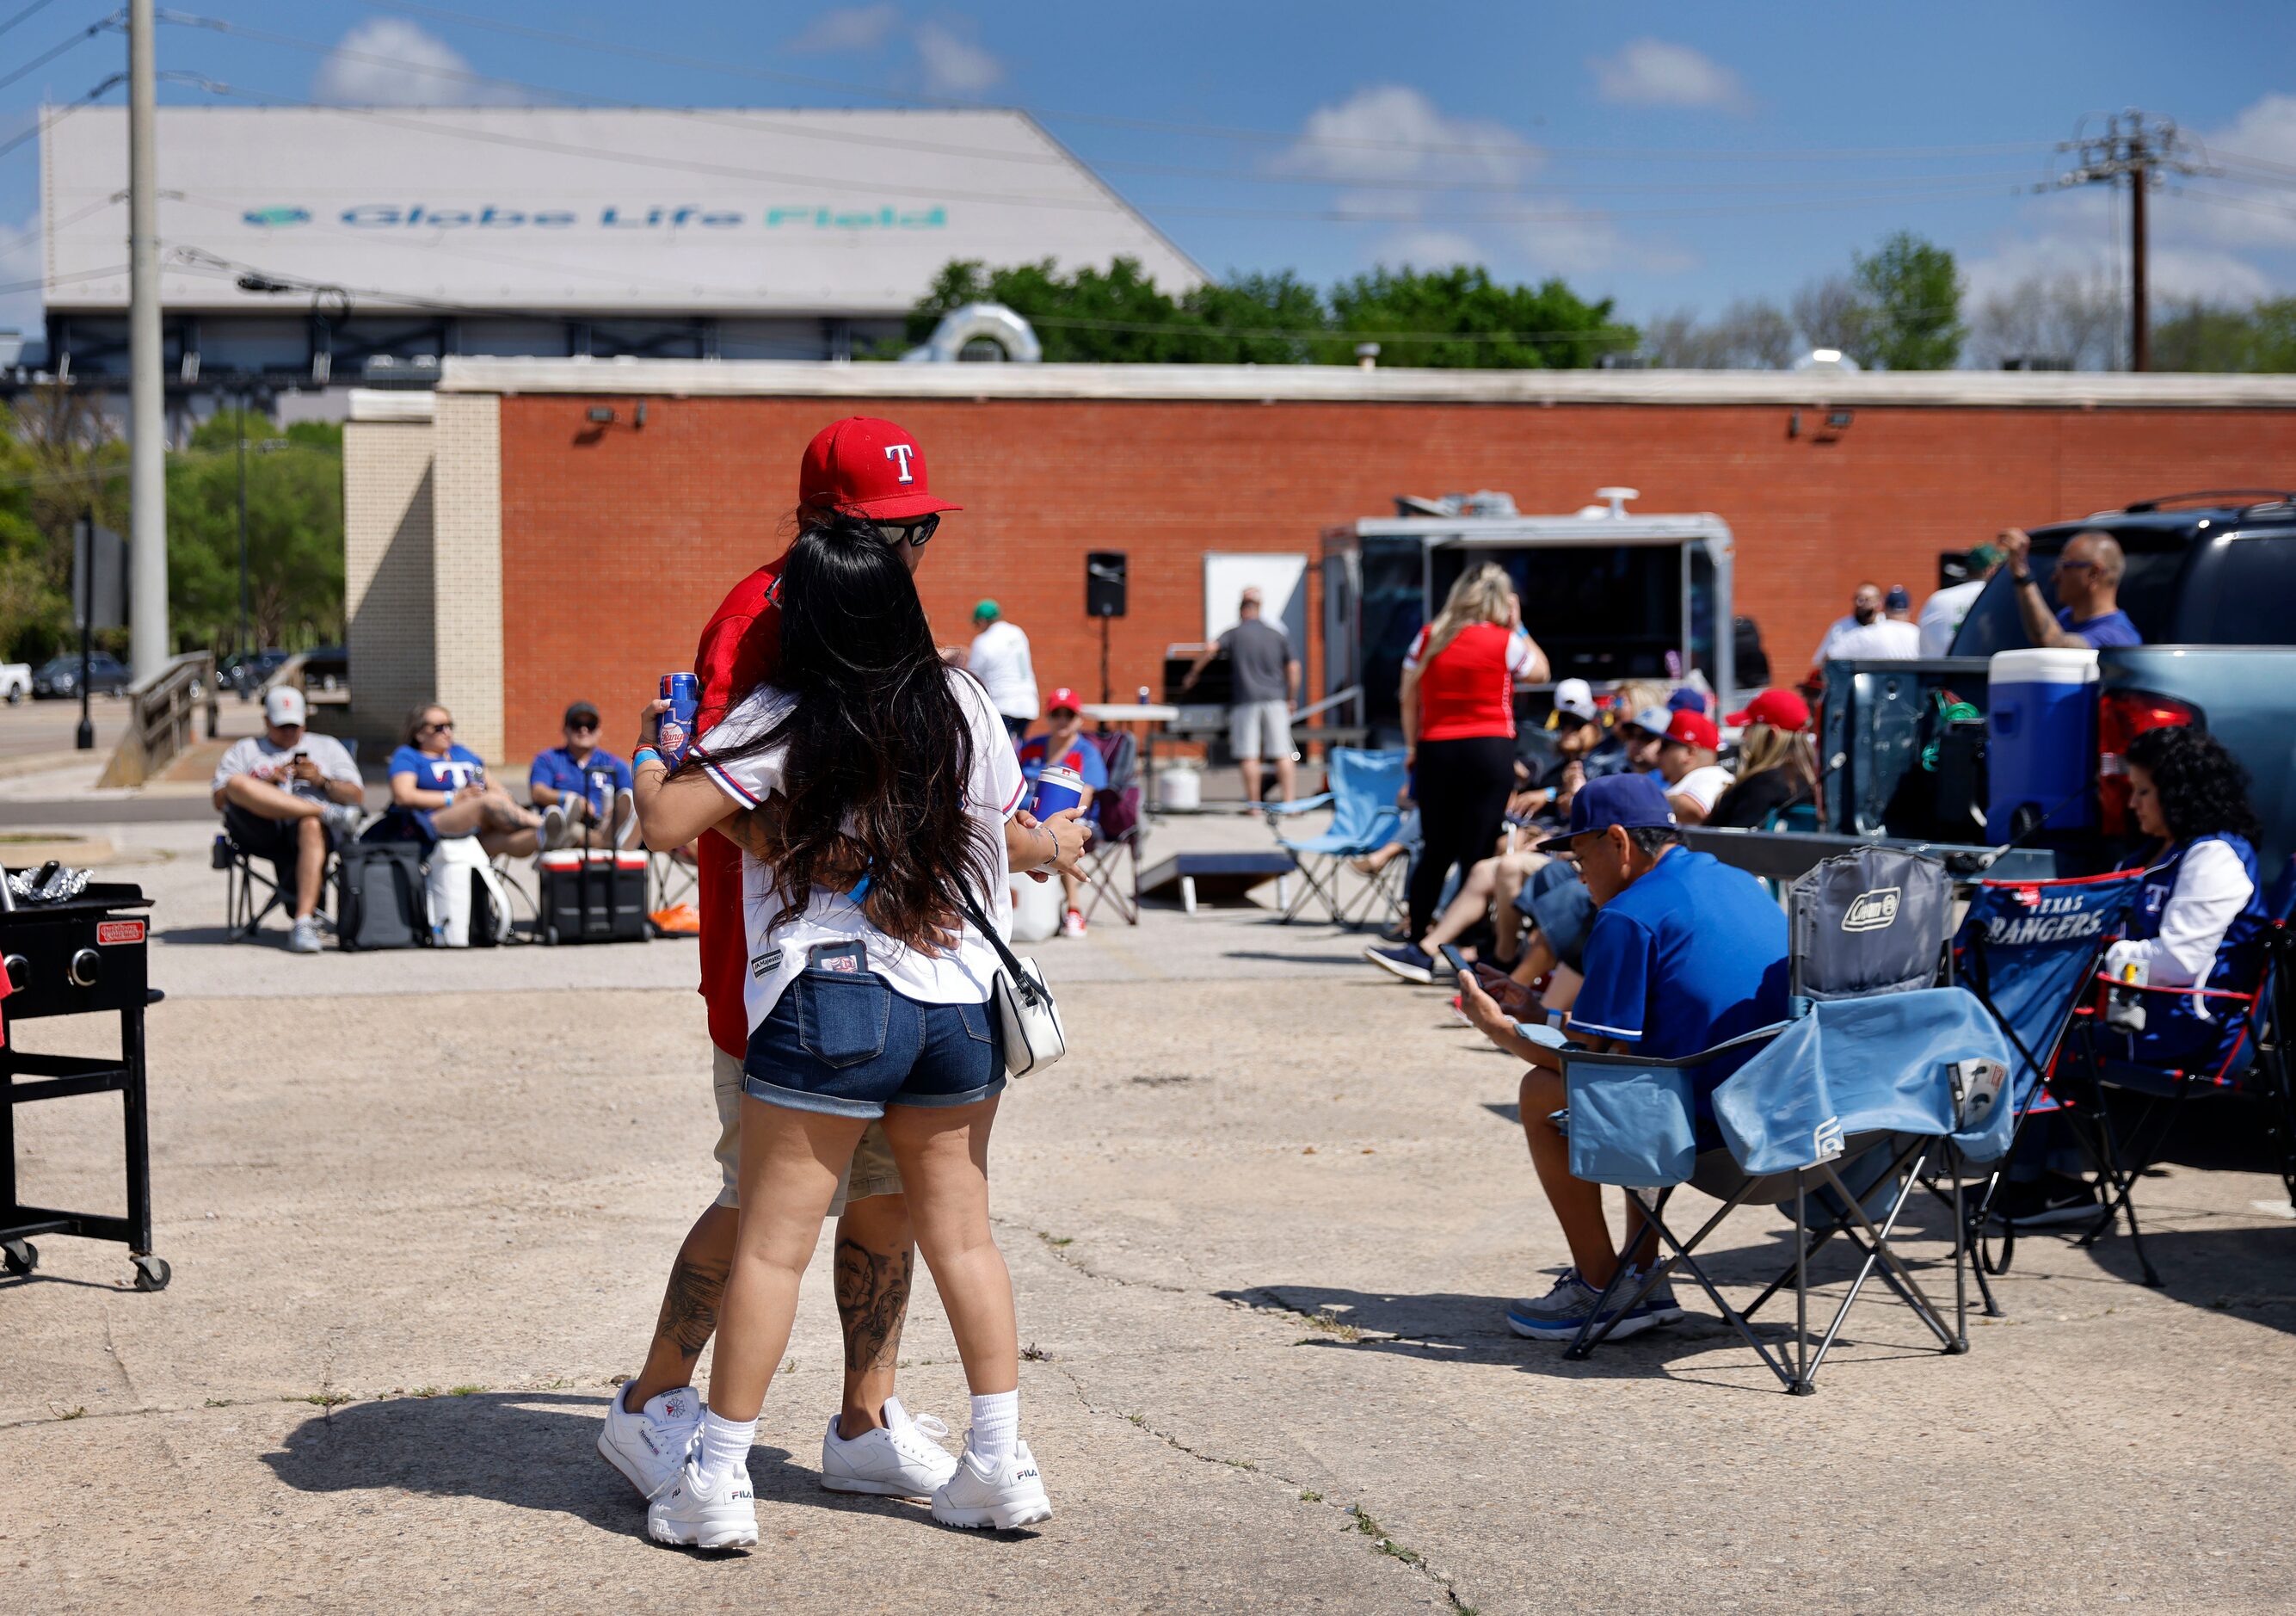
{"x": 2256, "y": 1064}
{"x": 1858, "y": 1090}
{"x": 2028, "y": 949}
{"x": 1364, "y": 818}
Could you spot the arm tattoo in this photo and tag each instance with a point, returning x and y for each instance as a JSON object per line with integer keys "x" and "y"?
{"x": 689, "y": 1306}
{"x": 873, "y": 1298}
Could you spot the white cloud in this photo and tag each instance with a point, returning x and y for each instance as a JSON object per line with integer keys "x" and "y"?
{"x": 1428, "y": 248}
{"x": 387, "y": 62}
{"x": 954, "y": 64}
{"x": 848, "y": 28}
{"x": 1652, "y": 73}
{"x": 1391, "y": 132}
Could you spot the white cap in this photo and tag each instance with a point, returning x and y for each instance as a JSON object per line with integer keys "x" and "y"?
{"x": 1576, "y": 698}
{"x": 283, "y": 704}
{"x": 1652, "y": 720}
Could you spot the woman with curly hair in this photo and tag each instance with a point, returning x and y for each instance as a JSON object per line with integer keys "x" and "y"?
{"x": 2199, "y": 923}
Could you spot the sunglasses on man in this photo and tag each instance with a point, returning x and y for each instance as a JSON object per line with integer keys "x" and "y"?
{"x": 915, "y": 534}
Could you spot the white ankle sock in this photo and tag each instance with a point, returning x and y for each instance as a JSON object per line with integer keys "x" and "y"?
{"x": 725, "y": 1443}
{"x": 995, "y": 1425}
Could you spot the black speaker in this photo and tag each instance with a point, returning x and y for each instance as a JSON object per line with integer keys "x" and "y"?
{"x": 1103, "y": 583}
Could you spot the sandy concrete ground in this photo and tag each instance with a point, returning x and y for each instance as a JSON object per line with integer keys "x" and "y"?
{"x": 1262, "y": 1223}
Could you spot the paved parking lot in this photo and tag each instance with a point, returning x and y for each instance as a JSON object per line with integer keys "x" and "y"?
{"x": 1263, "y": 1223}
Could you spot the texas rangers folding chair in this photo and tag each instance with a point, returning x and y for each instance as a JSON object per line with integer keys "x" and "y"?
{"x": 1364, "y": 818}
{"x": 1112, "y": 862}
{"x": 2254, "y": 1063}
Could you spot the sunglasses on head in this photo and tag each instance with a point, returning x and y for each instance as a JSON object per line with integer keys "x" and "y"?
{"x": 915, "y": 534}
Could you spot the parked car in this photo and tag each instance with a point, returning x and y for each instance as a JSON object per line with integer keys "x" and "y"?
{"x": 58, "y": 676}
{"x": 16, "y": 681}
{"x": 246, "y": 671}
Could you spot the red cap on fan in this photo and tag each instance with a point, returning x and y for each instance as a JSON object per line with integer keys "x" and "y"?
{"x": 869, "y": 468}
{"x": 1693, "y": 729}
{"x": 1062, "y": 698}
{"x": 1779, "y": 708}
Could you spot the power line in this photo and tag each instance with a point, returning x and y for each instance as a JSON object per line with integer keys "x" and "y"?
{"x": 35, "y": 127}
{"x": 47, "y": 56}
{"x": 19, "y": 16}
{"x": 2139, "y": 150}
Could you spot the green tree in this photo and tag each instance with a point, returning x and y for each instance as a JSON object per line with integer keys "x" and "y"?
{"x": 60, "y": 461}
{"x": 1460, "y": 319}
{"x": 294, "y": 533}
{"x": 2198, "y": 336}
{"x": 1913, "y": 291}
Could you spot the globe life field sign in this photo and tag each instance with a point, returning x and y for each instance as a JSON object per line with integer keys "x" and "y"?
{"x": 523, "y": 208}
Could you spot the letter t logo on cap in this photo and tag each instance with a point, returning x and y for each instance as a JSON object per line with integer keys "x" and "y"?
{"x": 901, "y": 452}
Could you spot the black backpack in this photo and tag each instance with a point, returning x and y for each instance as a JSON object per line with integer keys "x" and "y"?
{"x": 379, "y": 897}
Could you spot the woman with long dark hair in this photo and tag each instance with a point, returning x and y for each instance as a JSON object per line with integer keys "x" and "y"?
{"x": 876, "y": 796}
{"x": 2200, "y": 920}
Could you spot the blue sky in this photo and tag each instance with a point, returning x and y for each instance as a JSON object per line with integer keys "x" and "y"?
{"x": 1673, "y": 157}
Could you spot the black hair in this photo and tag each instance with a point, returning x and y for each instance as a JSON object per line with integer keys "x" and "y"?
{"x": 2203, "y": 787}
{"x": 1651, "y": 840}
{"x": 880, "y": 747}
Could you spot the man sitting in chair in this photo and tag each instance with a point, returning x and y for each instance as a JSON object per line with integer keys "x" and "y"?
{"x": 292, "y": 797}
{"x": 587, "y": 783}
{"x": 1064, "y": 743}
{"x": 1685, "y": 953}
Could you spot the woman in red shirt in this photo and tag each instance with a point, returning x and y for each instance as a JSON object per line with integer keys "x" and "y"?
{"x": 1458, "y": 737}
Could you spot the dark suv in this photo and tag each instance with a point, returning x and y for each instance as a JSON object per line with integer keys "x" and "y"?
{"x": 2216, "y": 567}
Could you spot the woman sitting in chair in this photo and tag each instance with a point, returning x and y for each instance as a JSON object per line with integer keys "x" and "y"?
{"x": 439, "y": 791}
{"x": 2199, "y": 923}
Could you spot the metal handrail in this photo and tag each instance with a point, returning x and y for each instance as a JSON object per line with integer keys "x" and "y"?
{"x": 163, "y": 707}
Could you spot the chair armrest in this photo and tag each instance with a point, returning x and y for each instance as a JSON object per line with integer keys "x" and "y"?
{"x": 1576, "y": 1055}
{"x": 2194, "y": 993}
{"x": 1305, "y": 805}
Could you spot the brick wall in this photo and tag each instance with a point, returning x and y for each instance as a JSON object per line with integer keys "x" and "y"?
{"x": 389, "y": 582}
{"x": 618, "y": 542}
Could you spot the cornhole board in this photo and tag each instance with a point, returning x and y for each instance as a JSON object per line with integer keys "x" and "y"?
{"x": 1195, "y": 878}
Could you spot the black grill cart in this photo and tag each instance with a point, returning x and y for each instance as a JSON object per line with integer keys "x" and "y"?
{"x": 84, "y": 956}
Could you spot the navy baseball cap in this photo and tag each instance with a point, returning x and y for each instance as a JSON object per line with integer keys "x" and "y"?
{"x": 1635, "y": 801}
{"x": 1686, "y": 700}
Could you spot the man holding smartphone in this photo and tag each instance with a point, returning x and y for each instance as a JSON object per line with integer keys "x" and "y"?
{"x": 292, "y": 797}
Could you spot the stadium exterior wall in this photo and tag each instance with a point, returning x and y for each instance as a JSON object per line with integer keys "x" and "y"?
{"x": 613, "y": 542}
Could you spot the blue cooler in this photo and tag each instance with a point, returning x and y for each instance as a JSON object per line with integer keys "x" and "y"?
{"x": 2040, "y": 754}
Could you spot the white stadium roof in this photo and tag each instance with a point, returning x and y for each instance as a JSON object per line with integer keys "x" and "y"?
{"x": 527, "y": 210}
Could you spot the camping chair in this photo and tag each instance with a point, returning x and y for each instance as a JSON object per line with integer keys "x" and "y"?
{"x": 1364, "y": 819}
{"x": 243, "y": 917}
{"x": 2027, "y": 950}
{"x": 1120, "y": 833}
{"x": 1859, "y": 1086}
{"x": 1848, "y": 1089}
{"x": 2256, "y": 1064}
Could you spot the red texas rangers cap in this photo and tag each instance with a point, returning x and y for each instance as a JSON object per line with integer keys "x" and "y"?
{"x": 870, "y": 468}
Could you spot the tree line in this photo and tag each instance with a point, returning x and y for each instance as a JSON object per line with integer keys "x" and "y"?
{"x": 61, "y": 459}
{"x": 1903, "y": 306}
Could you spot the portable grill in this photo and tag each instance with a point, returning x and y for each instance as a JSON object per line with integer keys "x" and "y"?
{"x": 79, "y": 956}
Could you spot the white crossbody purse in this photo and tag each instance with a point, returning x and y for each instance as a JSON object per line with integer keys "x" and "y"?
{"x": 1033, "y": 1037}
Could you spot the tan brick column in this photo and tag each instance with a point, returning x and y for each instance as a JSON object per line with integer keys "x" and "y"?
{"x": 387, "y": 572}
{"x": 466, "y": 569}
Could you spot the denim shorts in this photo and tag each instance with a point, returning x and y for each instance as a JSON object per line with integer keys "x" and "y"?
{"x": 850, "y": 1045}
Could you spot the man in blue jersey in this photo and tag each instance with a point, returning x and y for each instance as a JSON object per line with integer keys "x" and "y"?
{"x": 1685, "y": 953}
{"x": 2087, "y": 582}
{"x": 587, "y": 783}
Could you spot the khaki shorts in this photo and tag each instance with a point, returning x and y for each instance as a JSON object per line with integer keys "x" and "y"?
{"x": 870, "y": 1172}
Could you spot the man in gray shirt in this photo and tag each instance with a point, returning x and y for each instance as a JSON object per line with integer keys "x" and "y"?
{"x": 1263, "y": 675}
{"x": 290, "y": 796}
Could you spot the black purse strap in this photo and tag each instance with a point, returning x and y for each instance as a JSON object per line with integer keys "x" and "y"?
{"x": 1023, "y": 983}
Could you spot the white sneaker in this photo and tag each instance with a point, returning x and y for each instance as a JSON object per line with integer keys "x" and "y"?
{"x": 553, "y": 829}
{"x": 1012, "y": 1495}
{"x": 343, "y": 819}
{"x": 1073, "y": 925}
{"x": 690, "y": 1511}
{"x": 625, "y": 818}
{"x": 303, "y": 936}
{"x": 902, "y": 1459}
{"x": 648, "y": 1445}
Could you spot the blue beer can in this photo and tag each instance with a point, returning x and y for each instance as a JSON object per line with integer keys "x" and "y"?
{"x": 683, "y": 691}
{"x": 1058, "y": 787}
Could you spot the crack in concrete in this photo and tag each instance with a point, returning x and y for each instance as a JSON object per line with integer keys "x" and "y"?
{"x": 1360, "y": 1520}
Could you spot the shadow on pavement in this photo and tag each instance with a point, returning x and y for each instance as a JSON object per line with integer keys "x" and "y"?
{"x": 529, "y": 1449}
{"x": 274, "y": 938}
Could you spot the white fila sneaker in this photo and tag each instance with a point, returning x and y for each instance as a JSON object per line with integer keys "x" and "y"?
{"x": 692, "y": 1510}
{"x": 648, "y": 1445}
{"x": 902, "y": 1459}
{"x": 1012, "y": 1495}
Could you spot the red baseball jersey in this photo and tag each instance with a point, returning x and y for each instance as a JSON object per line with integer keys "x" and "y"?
{"x": 740, "y": 647}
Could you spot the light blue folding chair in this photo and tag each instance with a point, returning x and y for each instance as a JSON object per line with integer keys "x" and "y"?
{"x": 1858, "y": 1089}
{"x": 1364, "y": 786}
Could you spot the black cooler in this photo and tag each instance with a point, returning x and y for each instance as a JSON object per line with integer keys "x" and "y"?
{"x": 81, "y": 956}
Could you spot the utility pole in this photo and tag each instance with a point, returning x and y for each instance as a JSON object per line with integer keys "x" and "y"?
{"x": 147, "y": 478}
{"x": 2139, "y": 149}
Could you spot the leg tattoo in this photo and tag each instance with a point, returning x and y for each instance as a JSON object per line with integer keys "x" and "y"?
{"x": 689, "y": 1306}
{"x": 873, "y": 1299}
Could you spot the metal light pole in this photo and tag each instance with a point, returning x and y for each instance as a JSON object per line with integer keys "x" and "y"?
{"x": 243, "y": 520}
{"x": 147, "y": 478}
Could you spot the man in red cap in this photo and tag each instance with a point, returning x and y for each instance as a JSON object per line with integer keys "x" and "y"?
{"x": 1695, "y": 781}
{"x": 872, "y": 469}
{"x": 1063, "y": 743}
